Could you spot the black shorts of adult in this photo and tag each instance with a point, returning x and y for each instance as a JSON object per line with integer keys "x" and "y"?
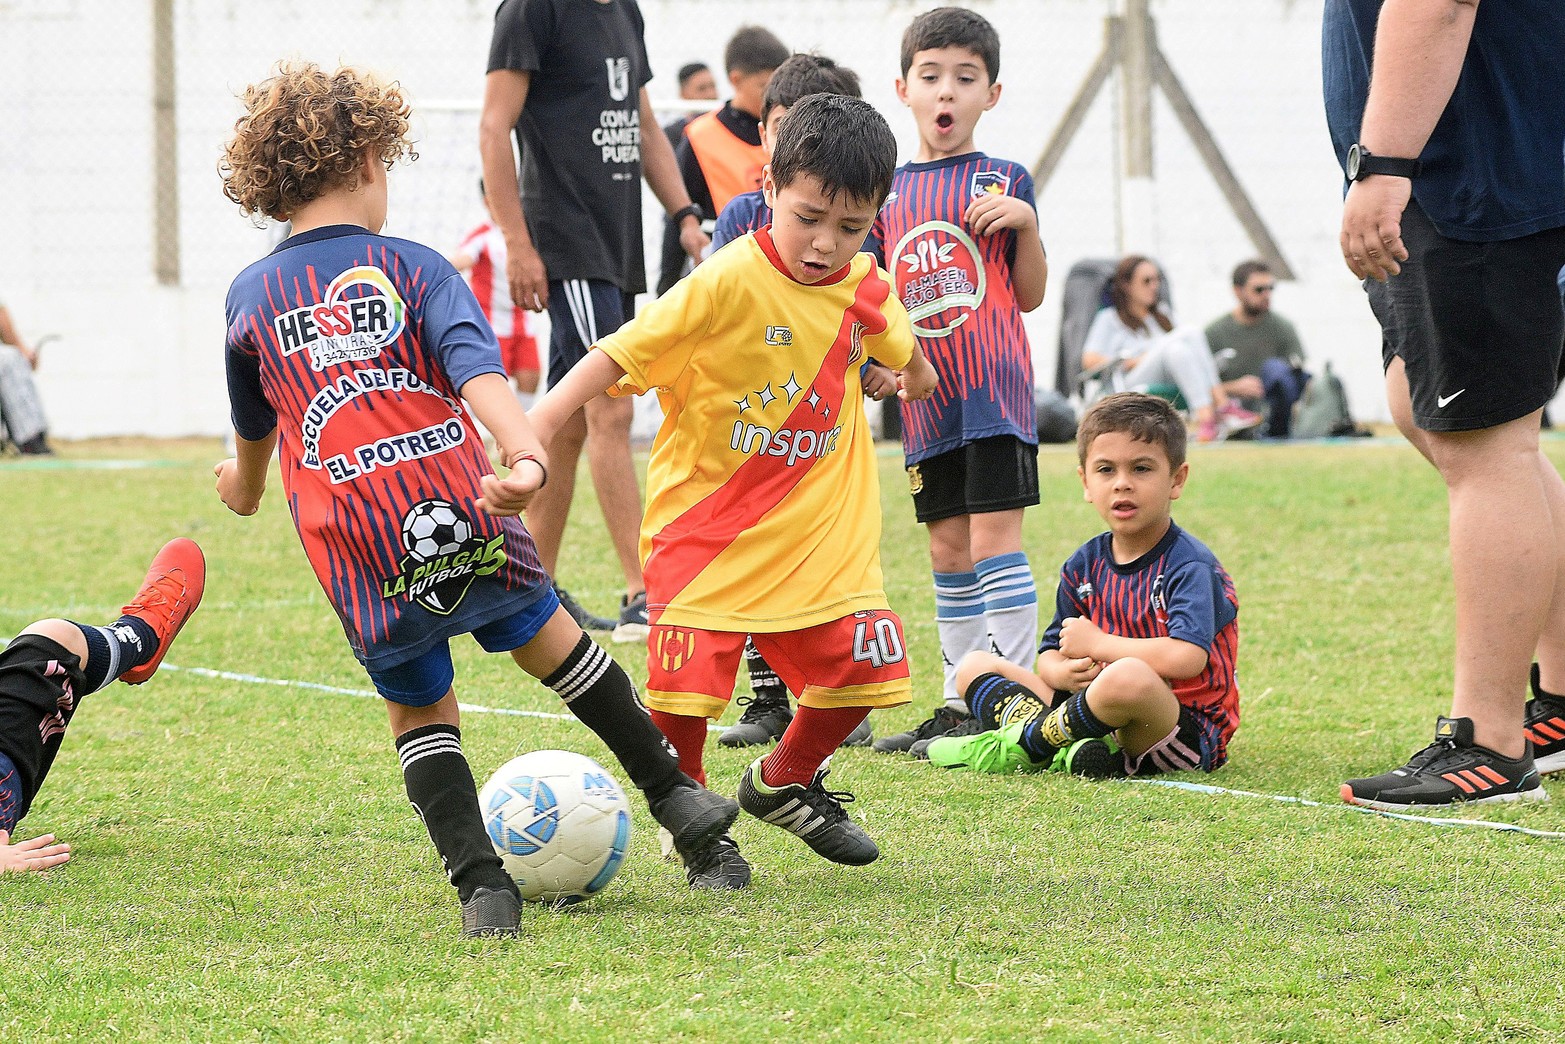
{"x": 1478, "y": 326}
{"x": 994, "y": 474}
{"x": 580, "y": 312}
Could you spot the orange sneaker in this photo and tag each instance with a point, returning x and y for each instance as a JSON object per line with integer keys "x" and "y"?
{"x": 167, "y": 597}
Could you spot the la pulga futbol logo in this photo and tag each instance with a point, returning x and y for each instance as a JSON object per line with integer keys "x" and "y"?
{"x": 444, "y": 555}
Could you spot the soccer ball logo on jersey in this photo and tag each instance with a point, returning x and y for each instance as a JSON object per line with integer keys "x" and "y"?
{"x": 444, "y": 554}
{"x": 341, "y": 328}
{"x": 940, "y": 277}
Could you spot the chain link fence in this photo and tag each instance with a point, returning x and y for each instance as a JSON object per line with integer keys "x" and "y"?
{"x": 117, "y": 235}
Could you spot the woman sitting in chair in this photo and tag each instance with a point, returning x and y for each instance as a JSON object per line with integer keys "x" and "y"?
{"x": 1133, "y": 346}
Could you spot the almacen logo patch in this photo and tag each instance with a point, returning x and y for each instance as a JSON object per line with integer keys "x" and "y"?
{"x": 940, "y": 276}
{"x": 444, "y": 555}
{"x": 342, "y": 327}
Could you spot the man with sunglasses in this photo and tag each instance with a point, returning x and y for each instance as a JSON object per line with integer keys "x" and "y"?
{"x": 1257, "y": 351}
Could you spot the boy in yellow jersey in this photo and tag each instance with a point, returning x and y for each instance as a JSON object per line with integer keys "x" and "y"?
{"x": 763, "y": 501}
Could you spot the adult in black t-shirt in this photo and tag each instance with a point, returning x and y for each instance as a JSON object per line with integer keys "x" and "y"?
{"x": 569, "y": 78}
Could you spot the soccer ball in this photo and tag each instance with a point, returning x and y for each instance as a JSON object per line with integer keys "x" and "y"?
{"x": 560, "y": 823}
{"x": 433, "y": 528}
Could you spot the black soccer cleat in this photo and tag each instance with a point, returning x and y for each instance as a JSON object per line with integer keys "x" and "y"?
{"x": 586, "y": 620}
{"x": 1097, "y": 758}
{"x": 694, "y": 818}
{"x": 766, "y": 717}
{"x": 968, "y": 726}
{"x": 492, "y": 913}
{"x": 811, "y": 813}
{"x": 938, "y": 724}
{"x": 1450, "y": 770}
{"x": 718, "y": 867}
{"x": 1545, "y": 727}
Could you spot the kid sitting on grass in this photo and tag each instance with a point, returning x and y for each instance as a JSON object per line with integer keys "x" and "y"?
{"x": 356, "y": 350}
{"x": 1145, "y": 636}
{"x": 763, "y": 503}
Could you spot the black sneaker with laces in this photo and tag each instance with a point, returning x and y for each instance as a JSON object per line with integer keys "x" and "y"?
{"x": 718, "y": 867}
{"x": 492, "y": 912}
{"x": 585, "y": 620}
{"x": 862, "y": 735}
{"x": 694, "y": 817}
{"x": 632, "y": 626}
{"x": 938, "y": 724}
{"x": 968, "y": 726}
{"x": 811, "y": 813}
{"x": 766, "y": 716}
{"x": 1452, "y": 769}
{"x": 1545, "y": 727}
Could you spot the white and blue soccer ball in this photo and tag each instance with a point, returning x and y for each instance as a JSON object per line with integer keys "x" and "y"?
{"x": 434, "y": 528}
{"x": 560, "y": 823}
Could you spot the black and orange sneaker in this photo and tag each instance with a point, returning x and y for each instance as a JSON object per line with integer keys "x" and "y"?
{"x": 1545, "y": 726}
{"x": 1450, "y": 770}
{"x": 168, "y": 596}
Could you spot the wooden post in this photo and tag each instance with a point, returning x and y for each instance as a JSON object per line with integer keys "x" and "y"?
{"x": 165, "y": 147}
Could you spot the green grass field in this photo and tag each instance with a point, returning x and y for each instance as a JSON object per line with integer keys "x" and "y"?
{"x": 247, "y": 866}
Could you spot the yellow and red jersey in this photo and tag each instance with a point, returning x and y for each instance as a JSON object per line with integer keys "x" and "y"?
{"x": 763, "y": 500}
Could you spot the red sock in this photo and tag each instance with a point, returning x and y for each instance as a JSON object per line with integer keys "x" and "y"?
{"x": 810, "y": 739}
{"x": 688, "y": 735}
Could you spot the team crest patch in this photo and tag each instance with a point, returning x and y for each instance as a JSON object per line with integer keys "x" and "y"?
{"x": 915, "y": 480}
{"x": 856, "y": 343}
{"x": 675, "y": 647}
{"x": 779, "y": 336}
{"x": 444, "y": 555}
{"x": 993, "y": 182}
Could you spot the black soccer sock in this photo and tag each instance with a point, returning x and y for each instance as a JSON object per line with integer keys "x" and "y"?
{"x": 1072, "y": 721}
{"x": 441, "y": 788}
{"x": 998, "y": 701}
{"x": 599, "y": 692}
{"x": 125, "y": 644}
{"x": 762, "y": 677}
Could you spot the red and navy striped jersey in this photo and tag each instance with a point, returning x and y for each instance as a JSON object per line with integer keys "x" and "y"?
{"x": 957, "y": 288}
{"x": 355, "y": 346}
{"x": 1176, "y": 590}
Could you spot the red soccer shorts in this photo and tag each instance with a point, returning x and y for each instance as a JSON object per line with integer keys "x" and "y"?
{"x": 858, "y": 660}
{"x": 519, "y": 352}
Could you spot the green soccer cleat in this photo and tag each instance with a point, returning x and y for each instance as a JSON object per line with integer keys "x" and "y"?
{"x": 998, "y": 751}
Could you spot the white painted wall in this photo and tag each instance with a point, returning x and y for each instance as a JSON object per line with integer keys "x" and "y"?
{"x": 137, "y": 358}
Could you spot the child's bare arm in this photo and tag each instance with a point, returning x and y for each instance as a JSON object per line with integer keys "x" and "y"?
{"x": 988, "y": 214}
{"x": 918, "y": 379}
{"x": 1065, "y": 673}
{"x": 490, "y": 396}
{"x": 591, "y": 377}
{"x": 1169, "y": 657}
{"x": 241, "y": 479}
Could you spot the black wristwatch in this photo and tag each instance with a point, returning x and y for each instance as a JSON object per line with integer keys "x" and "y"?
{"x": 689, "y": 210}
{"x": 1362, "y": 163}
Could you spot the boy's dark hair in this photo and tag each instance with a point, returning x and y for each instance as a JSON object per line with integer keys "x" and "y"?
{"x": 803, "y": 75}
{"x": 1145, "y": 418}
{"x": 1245, "y": 269}
{"x": 952, "y": 27}
{"x": 753, "y": 49}
{"x": 842, "y": 141}
{"x": 690, "y": 69}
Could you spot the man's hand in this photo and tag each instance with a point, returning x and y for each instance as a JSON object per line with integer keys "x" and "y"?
{"x": 693, "y": 239}
{"x": 233, "y": 490}
{"x": 1372, "y": 226}
{"x": 36, "y": 853}
{"x": 990, "y": 212}
{"x": 1079, "y": 638}
{"x": 528, "y": 278}
{"x": 507, "y": 496}
{"x": 879, "y": 381}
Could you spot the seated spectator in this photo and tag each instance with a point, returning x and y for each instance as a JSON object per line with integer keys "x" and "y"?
{"x": 21, "y": 410}
{"x": 1257, "y": 352}
{"x": 1134, "y": 345}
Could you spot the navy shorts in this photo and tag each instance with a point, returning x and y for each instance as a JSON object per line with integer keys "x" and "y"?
{"x": 1478, "y": 326}
{"x": 993, "y": 474}
{"x": 427, "y": 678}
{"x": 580, "y": 312}
{"x": 10, "y": 794}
